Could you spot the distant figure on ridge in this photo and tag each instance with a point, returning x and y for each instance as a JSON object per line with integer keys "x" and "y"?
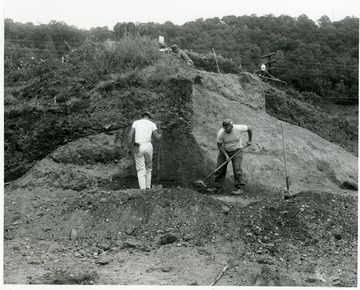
{"x": 182, "y": 54}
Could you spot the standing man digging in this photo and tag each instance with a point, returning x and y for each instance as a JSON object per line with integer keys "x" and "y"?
{"x": 144, "y": 130}
{"x": 229, "y": 142}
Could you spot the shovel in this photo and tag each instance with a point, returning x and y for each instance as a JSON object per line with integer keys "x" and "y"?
{"x": 201, "y": 184}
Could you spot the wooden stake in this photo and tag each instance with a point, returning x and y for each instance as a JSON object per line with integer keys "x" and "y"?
{"x": 220, "y": 275}
{"x": 216, "y": 61}
{"x": 158, "y": 161}
{"x": 286, "y": 173}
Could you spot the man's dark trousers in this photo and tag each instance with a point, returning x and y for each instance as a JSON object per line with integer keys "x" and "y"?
{"x": 236, "y": 163}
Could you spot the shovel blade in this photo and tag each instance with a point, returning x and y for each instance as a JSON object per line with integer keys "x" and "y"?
{"x": 199, "y": 184}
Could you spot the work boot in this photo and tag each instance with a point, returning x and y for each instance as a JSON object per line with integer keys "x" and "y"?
{"x": 214, "y": 190}
{"x": 237, "y": 191}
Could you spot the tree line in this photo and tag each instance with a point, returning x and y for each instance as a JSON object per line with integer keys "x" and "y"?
{"x": 319, "y": 57}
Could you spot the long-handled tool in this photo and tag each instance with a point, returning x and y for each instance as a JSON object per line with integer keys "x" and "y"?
{"x": 286, "y": 171}
{"x": 158, "y": 161}
{"x": 201, "y": 184}
{"x": 158, "y": 165}
{"x": 220, "y": 275}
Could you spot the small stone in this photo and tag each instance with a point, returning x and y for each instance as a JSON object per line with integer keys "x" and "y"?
{"x": 166, "y": 269}
{"x": 146, "y": 248}
{"x": 187, "y": 237}
{"x": 130, "y": 229}
{"x": 105, "y": 246}
{"x": 82, "y": 252}
{"x": 167, "y": 239}
{"x": 225, "y": 209}
{"x": 119, "y": 243}
{"x": 131, "y": 243}
{"x": 73, "y": 234}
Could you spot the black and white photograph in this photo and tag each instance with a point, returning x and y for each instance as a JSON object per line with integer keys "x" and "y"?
{"x": 173, "y": 144}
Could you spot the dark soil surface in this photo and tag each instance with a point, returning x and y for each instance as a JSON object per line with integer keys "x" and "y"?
{"x": 178, "y": 236}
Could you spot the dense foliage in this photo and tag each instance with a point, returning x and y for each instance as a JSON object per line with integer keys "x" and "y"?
{"x": 320, "y": 57}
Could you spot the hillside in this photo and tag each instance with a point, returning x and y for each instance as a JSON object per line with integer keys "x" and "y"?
{"x": 102, "y": 230}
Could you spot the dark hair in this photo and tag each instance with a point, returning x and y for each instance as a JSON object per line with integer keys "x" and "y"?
{"x": 145, "y": 113}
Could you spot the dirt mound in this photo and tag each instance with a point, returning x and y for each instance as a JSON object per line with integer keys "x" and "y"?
{"x": 97, "y": 227}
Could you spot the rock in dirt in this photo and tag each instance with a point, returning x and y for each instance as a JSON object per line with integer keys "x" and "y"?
{"x": 119, "y": 243}
{"x": 105, "y": 246}
{"x": 225, "y": 209}
{"x": 146, "y": 248}
{"x": 132, "y": 243}
{"x": 73, "y": 234}
{"x": 166, "y": 269}
{"x": 130, "y": 229}
{"x": 187, "y": 237}
{"x": 349, "y": 185}
{"x": 104, "y": 260}
{"x": 168, "y": 238}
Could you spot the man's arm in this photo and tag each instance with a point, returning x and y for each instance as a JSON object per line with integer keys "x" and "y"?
{"x": 222, "y": 150}
{"x": 249, "y": 136}
{"x": 130, "y": 137}
{"x": 184, "y": 56}
{"x": 156, "y": 135}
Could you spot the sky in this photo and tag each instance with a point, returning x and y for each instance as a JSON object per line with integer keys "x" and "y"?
{"x": 85, "y": 14}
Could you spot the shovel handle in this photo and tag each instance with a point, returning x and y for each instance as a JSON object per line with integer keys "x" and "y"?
{"x": 241, "y": 149}
{"x": 158, "y": 160}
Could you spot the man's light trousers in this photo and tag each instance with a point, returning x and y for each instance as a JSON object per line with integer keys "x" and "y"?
{"x": 143, "y": 161}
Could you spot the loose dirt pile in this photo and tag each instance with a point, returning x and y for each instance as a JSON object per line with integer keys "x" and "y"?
{"x": 179, "y": 237}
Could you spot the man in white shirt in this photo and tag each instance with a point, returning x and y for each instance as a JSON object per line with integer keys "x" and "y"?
{"x": 144, "y": 130}
{"x": 229, "y": 142}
